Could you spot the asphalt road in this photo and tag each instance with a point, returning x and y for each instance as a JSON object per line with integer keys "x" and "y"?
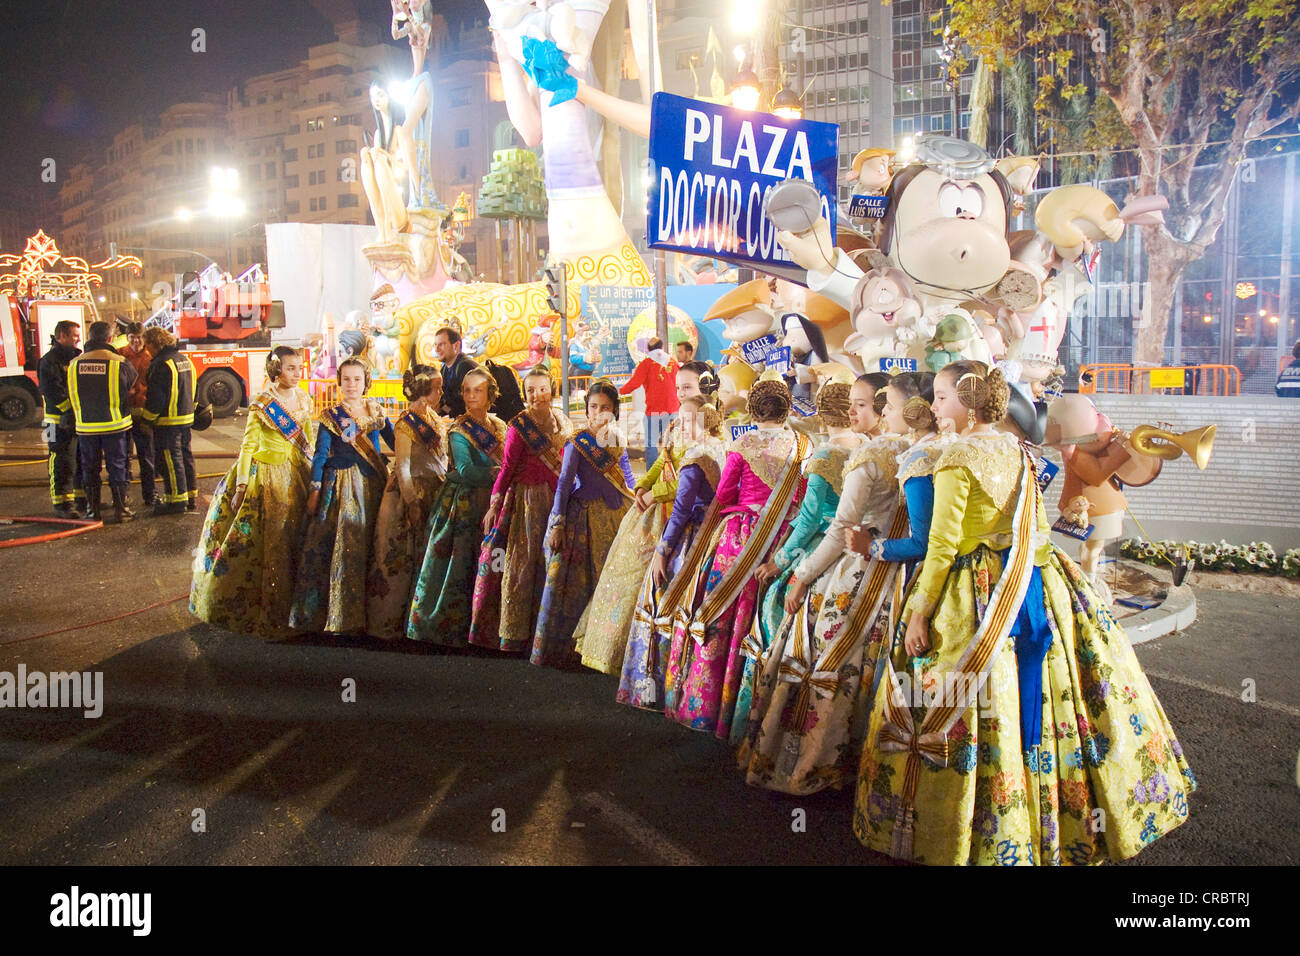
{"x": 451, "y": 757}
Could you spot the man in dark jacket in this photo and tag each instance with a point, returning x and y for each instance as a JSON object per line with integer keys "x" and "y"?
{"x": 99, "y": 390}
{"x": 60, "y": 423}
{"x": 455, "y": 365}
{"x": 169, "y": 408}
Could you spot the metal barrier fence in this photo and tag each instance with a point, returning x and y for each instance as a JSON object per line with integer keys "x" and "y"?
{"x": 324, "y": 392}
{"x": 1159, "y": 380}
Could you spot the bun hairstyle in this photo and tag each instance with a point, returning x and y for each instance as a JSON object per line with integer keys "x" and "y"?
{"x": 417, "y": 381}
{"x": 708, "y": 377}
{"x": 275, "y": 358}
{"x": 709, "y": 418}
{"x": 493, "y": 389}
{"x": 833, "y": 404}
{"x": 983, "y": 392}
{"x": 917, "y": 390}
{"x": 602, "y": 386}
{"x": 878, "y": 382}
{"x": 353, "y": 360}
{"x": 769, "y": 401}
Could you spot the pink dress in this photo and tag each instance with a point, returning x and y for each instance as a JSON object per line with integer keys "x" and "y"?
{"x": 703, "y": 679}
{"x": 511, "y": 569}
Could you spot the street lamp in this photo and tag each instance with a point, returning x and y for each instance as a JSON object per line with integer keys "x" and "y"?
{"x": 787, "y": 105}
{"x": 745, "y": 93}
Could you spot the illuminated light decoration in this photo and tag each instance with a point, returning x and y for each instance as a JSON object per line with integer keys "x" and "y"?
{"x": 745, "y": 94}
{"x": 786, "y": 105}
{"x": 1272, "y": 320}
{"x": 1207, "y": 319}
{"x": 744, "y": 19}
{"x": 1245, "y": 290}
{"x": 78, "y": 283}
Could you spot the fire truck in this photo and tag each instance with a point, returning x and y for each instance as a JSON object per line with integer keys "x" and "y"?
{"x": 224, "y": 325}
{"x": 26, "y": 326}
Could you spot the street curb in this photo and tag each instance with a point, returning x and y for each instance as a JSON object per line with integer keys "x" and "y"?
{"x": 1176, "y": 613}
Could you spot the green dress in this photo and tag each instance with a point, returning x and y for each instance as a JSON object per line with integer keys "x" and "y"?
{"x": 440, "y": 606}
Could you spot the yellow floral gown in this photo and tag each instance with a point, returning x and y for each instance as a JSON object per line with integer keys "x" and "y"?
{"x": 246, "y": 561}
{"x": 601, "y": 634}
{"x": 1103, "y": 775}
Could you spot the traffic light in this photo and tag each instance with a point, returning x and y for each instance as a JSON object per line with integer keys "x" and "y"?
{"x": 555, "y": 292}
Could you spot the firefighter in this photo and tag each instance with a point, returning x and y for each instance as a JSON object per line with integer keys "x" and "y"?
{"x": 169, "y": 407}
{"x": 60, "y": 422}
{"x": 99, "y": 388}
{"x": 141, "y": 430}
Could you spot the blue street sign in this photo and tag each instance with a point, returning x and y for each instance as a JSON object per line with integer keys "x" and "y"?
{"x": 711, "y": 167}
{"x": 757, "y": 350}
{"x": 862, "y": 206}
{"x": 738, "y": 430}
{"x": 1047, "y": 470}
{"x": 903, "y": 364}
{"x": 779, "y": 360}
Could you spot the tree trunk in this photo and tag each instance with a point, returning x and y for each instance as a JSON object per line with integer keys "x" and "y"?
{"x": 1167, "y": 259}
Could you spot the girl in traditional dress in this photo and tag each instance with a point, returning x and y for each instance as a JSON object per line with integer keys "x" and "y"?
{"x": 1013, "y": 707}
{"x": 419, "y": 466}
{"x": 593, "y": 493}
{"x": 601, "y": 635}
{"x": 511, "y": 569}
{"x": 440, "y": 604}
{"x": 758, "y": 493}
{"x": 807, "y": 727}
{"x": 645, "y": 662}
{"x": 243, "y": 575}
{"x": 824, "y": 473}
{"x": 348, "y": 474}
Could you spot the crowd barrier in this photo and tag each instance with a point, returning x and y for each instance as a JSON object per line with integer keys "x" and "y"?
{"x": 1116, "y": 378}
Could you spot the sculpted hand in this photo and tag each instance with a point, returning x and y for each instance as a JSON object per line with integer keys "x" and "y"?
{"x": 238, "y": 498}
{"x": 313, "y": 502}
{"x": 643, "y": 500}
{"x": 814, "y": 250}
{"x": 766, "y": 572}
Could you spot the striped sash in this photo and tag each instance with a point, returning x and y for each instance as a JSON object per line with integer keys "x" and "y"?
{"x": 273, "y": 414}
{"x": 899, "y": 732}
{"x": 338, "y": 421}
{"x": 823, "y": 674}
{"x": 608, "y": 465}
{"x": 538, "y": 442}
{"x": 760, "y": 541}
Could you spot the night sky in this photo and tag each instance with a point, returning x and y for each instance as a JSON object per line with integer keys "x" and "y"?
{"x": 74, "y": 71}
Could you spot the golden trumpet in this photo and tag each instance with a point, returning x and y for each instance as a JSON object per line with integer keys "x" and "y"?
{"x": 1197, "y": 443}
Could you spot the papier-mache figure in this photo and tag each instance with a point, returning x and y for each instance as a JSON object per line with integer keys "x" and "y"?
{"x": 872, "y": 171}
{"x": 746, "y": 312}
{"x": 1021, "y": 172}
{"x": 1092, "y": 450}
{"x": 956, "y": 336}
{"x": 735, "y": 379}
{"x": 886, "y": 318}
{"x": 383, "y": 322}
